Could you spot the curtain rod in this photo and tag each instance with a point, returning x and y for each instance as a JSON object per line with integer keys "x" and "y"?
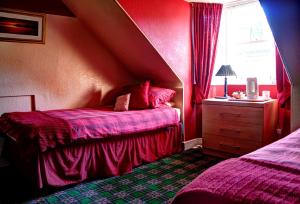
{"x": 239, "y": 3}
{"x": 228, "y": 3}
{"x": 204, "y": 1}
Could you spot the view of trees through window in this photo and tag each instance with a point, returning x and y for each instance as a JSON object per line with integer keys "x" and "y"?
{"x": 246, "y": 43}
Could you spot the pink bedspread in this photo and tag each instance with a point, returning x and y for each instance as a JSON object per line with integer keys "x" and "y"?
{"x": 60, "y": 127}
{"x": 268, "y": 175}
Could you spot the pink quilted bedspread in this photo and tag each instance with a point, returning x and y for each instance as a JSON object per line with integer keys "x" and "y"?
{"x": 268, "y": 175}
{"x": 60, "y": 127}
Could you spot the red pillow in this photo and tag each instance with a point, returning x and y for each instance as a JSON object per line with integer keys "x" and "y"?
{"x": 139, "y": 96}
{"x": 159, "y": 96}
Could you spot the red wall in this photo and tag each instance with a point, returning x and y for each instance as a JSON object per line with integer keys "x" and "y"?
{"x": 166, "y": 24}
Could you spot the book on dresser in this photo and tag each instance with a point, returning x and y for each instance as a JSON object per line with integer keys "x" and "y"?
{"x": 234, "y": 128}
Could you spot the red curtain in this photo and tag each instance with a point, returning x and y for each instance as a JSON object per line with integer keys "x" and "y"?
{"x": 205, "y": 23}
{"x": 283, "y": 95}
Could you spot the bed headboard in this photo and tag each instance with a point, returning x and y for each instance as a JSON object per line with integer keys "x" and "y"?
{"x": 179, "y": 101}
{"x": 17, "y": 103}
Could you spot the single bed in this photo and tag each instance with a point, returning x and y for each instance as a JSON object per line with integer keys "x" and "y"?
{"x": 268, "y": 175}
{"x": 60, "y": 147}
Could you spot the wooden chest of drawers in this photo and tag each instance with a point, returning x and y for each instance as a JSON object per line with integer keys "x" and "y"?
{"x": 232, "y": 128}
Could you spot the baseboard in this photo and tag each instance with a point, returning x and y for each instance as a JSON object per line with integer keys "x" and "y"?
{"x": 192, "y": 143}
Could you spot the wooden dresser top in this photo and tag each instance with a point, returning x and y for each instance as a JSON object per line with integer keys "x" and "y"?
{"x": 227, "y": 102}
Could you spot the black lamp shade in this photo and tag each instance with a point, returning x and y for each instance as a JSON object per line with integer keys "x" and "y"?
{"x": 225, "y": 70}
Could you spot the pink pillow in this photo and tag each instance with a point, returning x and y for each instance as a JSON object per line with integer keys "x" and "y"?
{"x": 139, "y": 96}
{"x": 159, "y": 96}
{"x": 122, "y": 103}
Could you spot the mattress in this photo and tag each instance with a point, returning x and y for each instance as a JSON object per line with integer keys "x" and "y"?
{"x": 49, "y": 129}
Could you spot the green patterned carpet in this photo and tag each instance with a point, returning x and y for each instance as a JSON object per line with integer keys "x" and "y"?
{"x": 157, "y": 182}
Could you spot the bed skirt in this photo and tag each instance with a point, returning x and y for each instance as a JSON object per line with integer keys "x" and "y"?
{"x": 102, "y": 158}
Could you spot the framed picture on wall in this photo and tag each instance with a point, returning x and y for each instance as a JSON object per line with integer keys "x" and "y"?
{"x": 22, "y": 26}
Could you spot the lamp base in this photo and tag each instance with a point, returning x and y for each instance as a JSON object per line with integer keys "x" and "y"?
{"x": 221, "y": 97}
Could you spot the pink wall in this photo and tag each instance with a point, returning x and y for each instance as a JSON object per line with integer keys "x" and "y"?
{"x": 69, "y": 70}
{"x": 166, "y": 24}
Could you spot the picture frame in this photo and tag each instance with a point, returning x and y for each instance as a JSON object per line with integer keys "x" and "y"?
{"x": 21, "y": 26}
{"x": 252, "y": 88}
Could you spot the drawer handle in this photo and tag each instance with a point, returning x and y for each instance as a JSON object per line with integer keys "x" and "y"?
{"x": 230, "y": 130}
{"x": 230, "y": 146}
{"x": 236, "y": 115}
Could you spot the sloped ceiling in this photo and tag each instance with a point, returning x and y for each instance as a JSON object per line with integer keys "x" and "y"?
{"x": 116, "y": 30}
{"x": 169, "y": 33}
{"x": 284, "y": 17}
{"x": 56, "y": 7}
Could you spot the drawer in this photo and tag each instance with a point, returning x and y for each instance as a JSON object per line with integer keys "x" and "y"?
{"x": 234, "y": 114}
{"x": 229, "y": 145}
{"x": 233, "y": 130}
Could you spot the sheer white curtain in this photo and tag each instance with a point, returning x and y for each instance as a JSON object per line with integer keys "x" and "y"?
{"x": 246, "y": 43}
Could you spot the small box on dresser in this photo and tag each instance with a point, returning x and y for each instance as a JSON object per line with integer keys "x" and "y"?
{"x": 233, "y": 128}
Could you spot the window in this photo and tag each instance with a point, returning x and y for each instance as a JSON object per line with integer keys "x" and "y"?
{"x": 246, "y": 43}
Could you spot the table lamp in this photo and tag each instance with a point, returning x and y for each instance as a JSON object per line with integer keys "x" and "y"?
{"x": 225, "y": 70}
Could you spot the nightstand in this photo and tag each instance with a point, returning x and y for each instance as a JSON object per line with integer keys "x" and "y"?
{"x": 234, "y": 128}
{"x": 3, "y": 163}
{"x": 5, "y": 176}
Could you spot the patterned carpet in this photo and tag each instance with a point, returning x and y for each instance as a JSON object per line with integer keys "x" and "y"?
{"x": 156, "y": 182}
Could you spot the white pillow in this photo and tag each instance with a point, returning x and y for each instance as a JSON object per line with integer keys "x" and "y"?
{"x": 122, "y": 103}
